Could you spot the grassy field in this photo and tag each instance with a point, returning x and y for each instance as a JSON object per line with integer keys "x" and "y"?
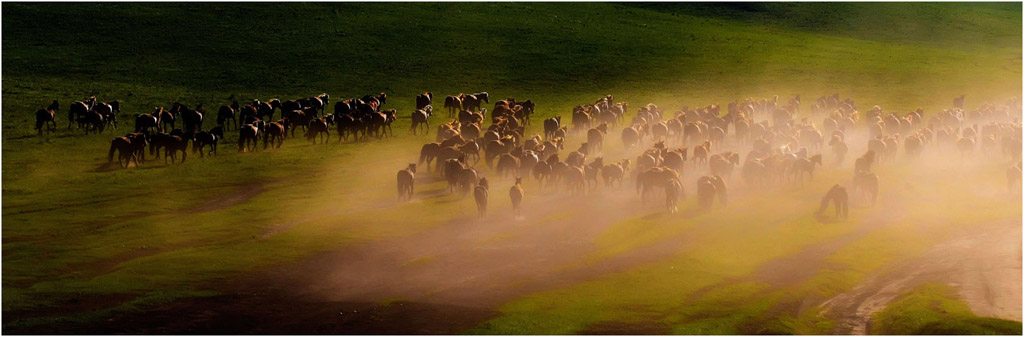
{"x": 930, "y": 310}
{"x": 82, "y": 240}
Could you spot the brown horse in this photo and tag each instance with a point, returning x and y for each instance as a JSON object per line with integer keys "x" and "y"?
{"x": 95, "y": 121}
{"x": 839, "y": 198}
{"x": 507, "y": 164}
{"x": 595, "y": 136}
{"x": 108, "y": 112}
{"x": 423, "y": 100}
{"x": 139, "y": 142}
{"x": 147, "y": 122}
{"x": 126, "y": 153}
{"x": 225, "y": 113}
{"x": 298, "y": 118}
{"x": 575, "y": 180}
{"x": 672, "y": 192}
{"x": 406, "y": 179}
{"x": 453, "y": 104}
{"x": 204, "y": 138}
{"x": 45, "y": 117}
{"x": 471, "y": 149}
{"x": 193, "y": 120}
{"x": 654, "y": 177}
{"x": 452, "y": 172}
{"x": 612, "y": 173}
{"x": 706, "y": 192}
{"x": 316, "y": 128}
{"x": 551, "y": 125}
{"x": 265, "y": 110}
{"x": 78, "y": 111}
{"x": 712, "y": 186}
{"x": 700, "y": 153}
{"x": 480, "y": 194}
{"x": 248, "y": 136}
{"x": 864, "y": 162}
{"x": 630, "y": 137}
{"x": 839, "y": 148}
{"x": 805, "y": 165}
{"x": 722, "y": 164}
{"x": 515, "y": 193}
{"x": 275, "y": 131}
{"x": 421, "y": 117}
{"x": 173, "y": 145}
{"x": 166, "y": 117}
{"x": 428, "y": 152}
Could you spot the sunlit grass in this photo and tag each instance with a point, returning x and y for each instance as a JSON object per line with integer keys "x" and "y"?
{"x": 932, "y": 309}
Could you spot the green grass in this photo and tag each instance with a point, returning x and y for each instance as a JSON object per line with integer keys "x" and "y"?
{"x": 73, "y": 227}
{"x": 933, "y": 309}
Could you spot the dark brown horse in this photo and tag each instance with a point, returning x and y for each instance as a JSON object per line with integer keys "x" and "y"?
{"x": 423, "y": 100}
{"x": 126, "y": 154}
{"x": 248, "y": 137}
{"x": 173, "y": 145}
{"x": 157, "y": 142}
{"x": 406, "y": 180}
{"x": 275, "y": 131}
{"x": 204, "y": 138}
{"x": 109, "y": 113}
{"x": 167, "y": 117}
{"x": 453, "y": 104}
{"x": 265, "y": 110}
{"x": 550, "y": 126}
{"x": 480, "y": 194}
{"x": 421, "y": 117}
{"x": 139, "y": 142}
{"x": 147, "y": 122}
{"x": 225, "y": 113}
{"x": 78, "y": 111}
{"x": 298, "y": 118}
{"x": 654, "y": 177}
{"x": 515, "y": 193}
{"x": 193, "y": 120}
{"x": 45, "y": 117}
{"x": 95, "y": 121}
{"x": 837, "y": 196}
{"x": 318, "y": 127}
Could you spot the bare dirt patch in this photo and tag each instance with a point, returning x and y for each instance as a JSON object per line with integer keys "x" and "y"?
{"x": 984, "y": 267}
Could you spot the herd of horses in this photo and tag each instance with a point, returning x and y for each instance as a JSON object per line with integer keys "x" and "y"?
{"x": 780, "y": 147}
{"x": 355, "y": 118}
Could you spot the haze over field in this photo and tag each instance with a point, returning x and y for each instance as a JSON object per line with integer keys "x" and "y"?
{"x": 312, "y": 237}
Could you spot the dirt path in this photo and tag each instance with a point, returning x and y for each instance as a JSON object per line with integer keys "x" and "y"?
{"x": 442, "y": 281}
{"x": 473, "y": 264}
{"x": 984, "y": 267}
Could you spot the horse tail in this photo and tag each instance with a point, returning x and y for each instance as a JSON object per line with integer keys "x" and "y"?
{"x": 110, "y": 157}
